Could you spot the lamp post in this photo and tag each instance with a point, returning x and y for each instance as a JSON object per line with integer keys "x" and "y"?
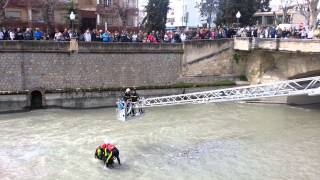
{"x": 238, "y": 16}
{"x": 318, "y": 20}
{"x": 72, "y": 18}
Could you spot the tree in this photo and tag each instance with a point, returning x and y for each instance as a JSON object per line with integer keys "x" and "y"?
{"x": 208, "y": 8}
{"x": 123, "y": 14}
{"x": 285, "y": 5}
{"x": 156, "y": 18}
{"x": 310, "y": 10}
{"x": 264, "y": 6}
{"x": 229, "y": 8}
{"x": 49, "y": 6}
{"x": 3, "y": 4}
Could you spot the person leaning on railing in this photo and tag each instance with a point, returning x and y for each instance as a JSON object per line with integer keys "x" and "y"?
{"x": 1, "y": 35}
{"x": 38, "y": 34}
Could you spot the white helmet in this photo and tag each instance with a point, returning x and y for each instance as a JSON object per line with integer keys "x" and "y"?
{"x": 128, "y": 90}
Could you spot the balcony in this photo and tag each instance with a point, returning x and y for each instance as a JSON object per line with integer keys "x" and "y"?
{"x": 132, "y": 11}
{"x": 106, "y": 10}
{"x": 112, "y": 10}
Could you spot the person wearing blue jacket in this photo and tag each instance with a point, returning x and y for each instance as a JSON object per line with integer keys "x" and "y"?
{"x": 37, "y": 34}
{"x": 106, "y": 36}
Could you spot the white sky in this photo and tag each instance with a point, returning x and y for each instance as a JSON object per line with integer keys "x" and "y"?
{"x": 274, "y": 3}
{"x": 142, "y": 2}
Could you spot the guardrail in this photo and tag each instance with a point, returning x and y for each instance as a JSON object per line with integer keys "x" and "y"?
{"x": 289, "y": 45}
{"x": 87, "y": 47}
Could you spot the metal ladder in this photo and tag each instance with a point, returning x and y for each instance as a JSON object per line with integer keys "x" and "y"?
{"x": 306, "y": 86}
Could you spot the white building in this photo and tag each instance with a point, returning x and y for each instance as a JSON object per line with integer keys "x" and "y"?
{"x": 182, "y": 13}
{"x": 194, "y": 13}
{"x": 142, "y": 13}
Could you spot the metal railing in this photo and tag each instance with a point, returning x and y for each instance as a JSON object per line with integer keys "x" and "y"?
{"x": 306, "y": 86}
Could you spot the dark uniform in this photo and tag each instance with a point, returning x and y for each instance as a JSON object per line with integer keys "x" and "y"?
{"x": 134, "y": 96}
{"x": 127, "y": 96}
{"x": 106, "y": 153}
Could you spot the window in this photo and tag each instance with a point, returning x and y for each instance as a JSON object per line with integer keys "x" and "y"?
{"x": 13, "y": 14}
{"x": 130, "y": 21}
{"x": 170, "y": 20}
{"x": 110, "y": 21}
{"x": 270, "y": 20}
{"x": 37, "y": 15}
{"x": 107, "y": 3}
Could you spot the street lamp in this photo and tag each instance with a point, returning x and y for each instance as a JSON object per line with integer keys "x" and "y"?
{"x": 238, "y": 16}
{"x": 318, "y": 20}
{"x": 72, "y": 18}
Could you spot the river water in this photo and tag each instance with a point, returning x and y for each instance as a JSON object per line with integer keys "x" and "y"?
{"x": 214, "y": 141}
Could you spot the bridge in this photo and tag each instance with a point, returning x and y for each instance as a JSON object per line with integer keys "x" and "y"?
{"x": 305, "y": 86}
{"x": 283, "y": 45}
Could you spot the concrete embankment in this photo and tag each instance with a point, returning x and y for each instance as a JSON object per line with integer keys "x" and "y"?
{"x": 82, "y": 99}
{"x": 89, "y": 99}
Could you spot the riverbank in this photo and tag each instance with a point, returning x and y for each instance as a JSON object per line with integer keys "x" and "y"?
{"x": 92, "y": 97}
{"x": 95, "y": 98}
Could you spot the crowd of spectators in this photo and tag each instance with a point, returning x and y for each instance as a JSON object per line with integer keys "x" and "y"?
{"x": 169, "y": 36}
{"x": 300, "y": 32}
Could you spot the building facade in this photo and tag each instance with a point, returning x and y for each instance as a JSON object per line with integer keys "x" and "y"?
{"x": 275, "y": 17}
{"x": 109, "y": 13}
{"x": 91, "y": 13}
{"x": 31, "y": 13}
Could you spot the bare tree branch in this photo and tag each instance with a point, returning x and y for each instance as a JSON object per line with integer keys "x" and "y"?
{"x": 3, "y": 4}
{"x": 122, "y": 13}
{"x": 309, "y": 9}
{"x": 285, "y": 4}
{"x": 49, "y": 8}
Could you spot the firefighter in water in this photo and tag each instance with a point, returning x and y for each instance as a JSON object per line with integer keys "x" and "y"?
{"x": 107, "y": 152}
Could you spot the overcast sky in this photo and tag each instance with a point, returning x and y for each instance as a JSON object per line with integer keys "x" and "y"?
{"x": 273, "y": 2}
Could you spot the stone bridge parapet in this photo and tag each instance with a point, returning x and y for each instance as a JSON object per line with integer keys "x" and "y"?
{"x": 284, "y": 45}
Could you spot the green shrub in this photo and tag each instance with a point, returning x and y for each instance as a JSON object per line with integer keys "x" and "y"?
{"x": 243, "y": 78}
{"x": 236, "y": 57}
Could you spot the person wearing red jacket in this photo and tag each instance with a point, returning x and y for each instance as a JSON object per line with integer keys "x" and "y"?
{"x": 151, "y": 38}
{"x": 110, "y": 152}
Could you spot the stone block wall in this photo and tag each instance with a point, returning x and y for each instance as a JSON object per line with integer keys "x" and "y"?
{"x": 86, "y": 70}
{"x": 267, "y": 67}
{"x": 28, "y": 65}
{"x": 11, "y": 72}
{"x": 208, "y": 58}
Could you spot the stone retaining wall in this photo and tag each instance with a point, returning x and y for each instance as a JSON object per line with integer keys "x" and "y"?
{"x": 26, "y": 66}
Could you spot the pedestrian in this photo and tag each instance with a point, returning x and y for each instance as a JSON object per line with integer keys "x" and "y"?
{"x": 38, "y": 34}
{"x": 18, "y": 34}
{"x": 106, "y": 36}
{"x": 87, "y": 36}
{"x": 27, "y": 35}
